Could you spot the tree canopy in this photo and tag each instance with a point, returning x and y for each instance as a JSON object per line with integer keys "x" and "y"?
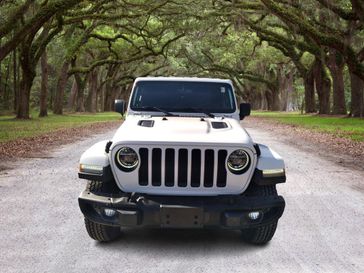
{"x": 280, "y": 54}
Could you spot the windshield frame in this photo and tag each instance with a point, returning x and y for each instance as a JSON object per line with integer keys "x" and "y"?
{"x": 230, "y": 89}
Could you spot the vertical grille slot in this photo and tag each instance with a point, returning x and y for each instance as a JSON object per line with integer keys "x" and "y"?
{"x": 143, "y": 169}
{"x": 196, "y": 168}
{"x": 169, "y": 168}
{"x": 182, "y": 167}
{"x": 156, "y": 167}
{"x": 209, "y": 168}
{"x": 221, "y": 170}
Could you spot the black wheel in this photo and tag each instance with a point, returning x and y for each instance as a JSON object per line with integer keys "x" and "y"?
{"x": 94, "y": 186}
{"x": 263, "y": 234}
{"x": 99, "y": 187}
{"x": 100, "y": 232}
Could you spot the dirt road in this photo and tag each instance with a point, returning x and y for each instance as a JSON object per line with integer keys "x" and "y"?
{"x": 41, "y": 227}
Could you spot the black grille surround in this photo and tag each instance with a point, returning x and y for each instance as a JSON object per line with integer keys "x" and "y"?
{"x": 158, "y": 174}
{"x": 182, "y": 167}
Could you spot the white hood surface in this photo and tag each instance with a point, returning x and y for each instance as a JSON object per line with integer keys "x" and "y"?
{"x": 186, "y": 130}
{"x": 188, "y": 133}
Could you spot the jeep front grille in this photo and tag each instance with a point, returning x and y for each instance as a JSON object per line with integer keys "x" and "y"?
{"x": 182, "y": 167}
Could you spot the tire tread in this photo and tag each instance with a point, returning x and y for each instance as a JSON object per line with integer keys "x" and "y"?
{"x": 101, "y": 233}
{"x": 96, "y": 231}
{"x": 262, "y": 234}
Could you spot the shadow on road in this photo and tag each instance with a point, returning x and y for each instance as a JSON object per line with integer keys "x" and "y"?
{"x": 181, "y": 240}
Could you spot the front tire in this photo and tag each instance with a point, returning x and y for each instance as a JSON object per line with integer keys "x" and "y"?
{"x": 263, "y": 234}
{"x": 100, "y": 232}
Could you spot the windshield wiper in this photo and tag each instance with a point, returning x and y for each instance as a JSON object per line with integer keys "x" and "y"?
{"x": 198, "y": 110}
{"x": 153, "y": 108}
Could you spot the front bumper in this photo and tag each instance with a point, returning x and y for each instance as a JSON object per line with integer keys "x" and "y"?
{"x": 181, "y": 212}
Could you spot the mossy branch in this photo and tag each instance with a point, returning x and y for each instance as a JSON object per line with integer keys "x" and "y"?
{"x": 16, "y": 15}
{"x": 33, "y": 25}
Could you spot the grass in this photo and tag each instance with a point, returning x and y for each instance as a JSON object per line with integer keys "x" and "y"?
{"x": 11, "y": 129}
{"x": 352, "y": 128}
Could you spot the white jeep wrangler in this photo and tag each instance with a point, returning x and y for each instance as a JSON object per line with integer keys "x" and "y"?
{"x": 181, "y": 160}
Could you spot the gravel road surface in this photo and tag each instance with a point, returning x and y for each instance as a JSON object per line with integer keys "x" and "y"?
{"x": 41, "y": 227}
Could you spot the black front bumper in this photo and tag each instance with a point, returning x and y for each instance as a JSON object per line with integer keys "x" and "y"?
{"x": 181, "y": 212}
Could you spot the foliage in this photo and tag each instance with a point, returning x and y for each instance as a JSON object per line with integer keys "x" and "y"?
{"x": 267, "y": 47}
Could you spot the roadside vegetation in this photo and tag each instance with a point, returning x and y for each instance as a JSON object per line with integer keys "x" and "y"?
{"x": 341, "y": 126}
{"x": 13, "y": 129}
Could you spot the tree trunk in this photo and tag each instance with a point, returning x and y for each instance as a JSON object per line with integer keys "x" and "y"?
{"x": 283, "y": 89}
{"x": 28, "y": 75}
{"x": 309, "y": 84}
{"x": 336, "y": 66}
{"x": 276, "y": 100}
{"x": 102, "y": 98}
{"x": 93, "y": 89}
{"x": 323, "y": 87}
{"x": 98, "y": 97}
{"x": 15, "y": 81}
{"x": 24, "y": 94}
{"x": 107, "y": 100}
{"x": 80, "y": 106}
{"x": 269, "y": 100}
{"x": 88, "y": 96}
{"x": 108, "y": 96}
{"x": 5, "y": 88}
{"x": 61, "y": 85}
{"x": 357, "y": 95}
{"x": 114, "y": 95}
{"x": 44, "y": 85}
{"x": 1, "y": 76}
{"x": 273, "y": 99}
{"x": 290, "y": 89}
{"x": 72, "y": 97}
{"x": 92, "y": 95}
{"x": 265, "y": 104}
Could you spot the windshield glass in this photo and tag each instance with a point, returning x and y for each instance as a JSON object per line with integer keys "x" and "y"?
{"x": 183, "y": 96}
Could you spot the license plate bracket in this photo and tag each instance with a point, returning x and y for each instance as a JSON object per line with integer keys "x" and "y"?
{"x": 181, "y": 216}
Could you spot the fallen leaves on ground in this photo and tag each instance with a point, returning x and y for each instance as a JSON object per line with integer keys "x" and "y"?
{"x": 343, "y": 149}
{"x": 38, "y": 146}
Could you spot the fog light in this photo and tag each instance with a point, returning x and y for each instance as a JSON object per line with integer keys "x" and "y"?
{"x": 254, "y": 215}
{"x": 109, "y": 212}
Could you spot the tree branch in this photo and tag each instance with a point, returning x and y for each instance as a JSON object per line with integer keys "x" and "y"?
{"x": 346, "y": 15}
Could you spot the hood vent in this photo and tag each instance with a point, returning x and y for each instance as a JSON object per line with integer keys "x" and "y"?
{"x": 219, "y": 125}
{"x": 146, "y": 123}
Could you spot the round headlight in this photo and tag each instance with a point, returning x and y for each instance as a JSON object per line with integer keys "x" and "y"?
{"x": 238, "y": 161}
{"x": 127, "y": 159}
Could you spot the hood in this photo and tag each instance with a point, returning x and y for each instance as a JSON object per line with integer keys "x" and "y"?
{"x": 186, "y": 130}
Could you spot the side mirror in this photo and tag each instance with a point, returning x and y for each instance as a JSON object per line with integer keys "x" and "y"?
{"x": 119, "y": 106}
{"x": 245, "y": 109}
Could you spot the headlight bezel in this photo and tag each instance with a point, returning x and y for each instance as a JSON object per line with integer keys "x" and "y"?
{"x": 241, "y": 169}
{"x": 125, "y": 167}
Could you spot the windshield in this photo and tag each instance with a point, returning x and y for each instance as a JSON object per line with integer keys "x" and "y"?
{"x": 183, "y": 96}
